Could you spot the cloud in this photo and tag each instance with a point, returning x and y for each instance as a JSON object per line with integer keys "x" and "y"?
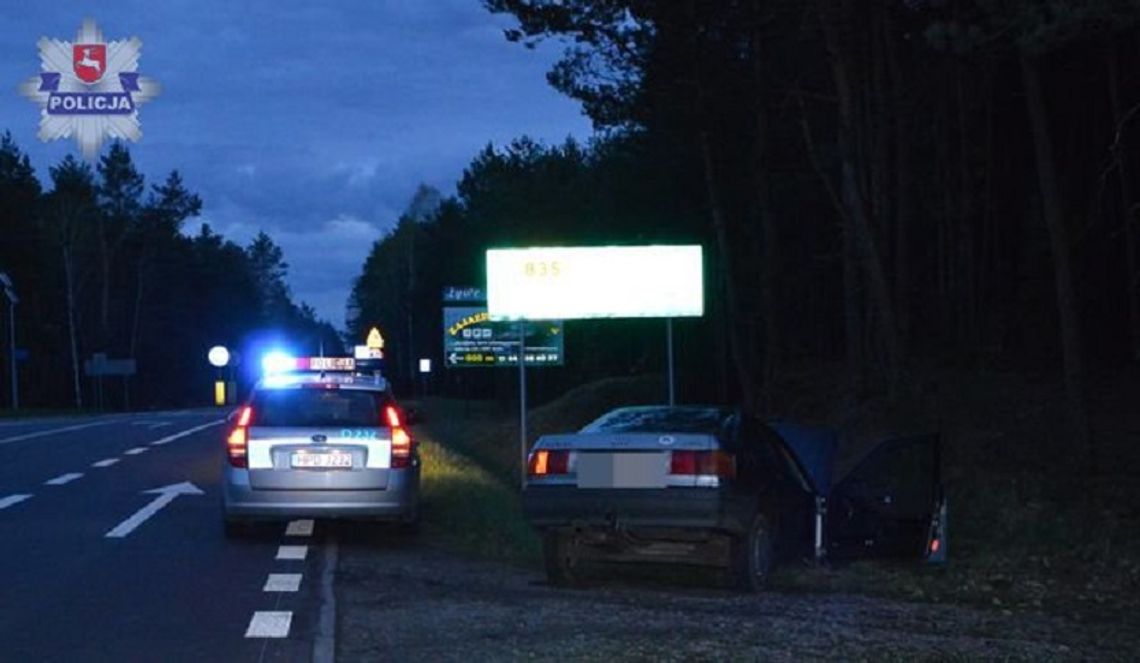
{"x": 314, "y": 122}
{"x": 323, "y": 259}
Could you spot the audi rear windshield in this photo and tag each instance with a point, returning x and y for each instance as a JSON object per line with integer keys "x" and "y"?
{"x": 310, "y": 408}
{"x": 659, "y": 420}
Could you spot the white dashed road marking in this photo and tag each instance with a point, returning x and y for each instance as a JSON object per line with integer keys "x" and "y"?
{"x": 299, "y": 528}
{"x": 188, "y": 431}
{"x": 292, "y": 552}
{"x": 63, "y": 478}
{"x": 282, "y": 582}
{"x": 159, "y": 424}
{"x": 106, "y": 462}
{"x": 54, "y": 431}
{"x": 10, "y": 500}
{"x": 136, "y": 451}
{"x": 140, "y": 423}
{"x": 269, "y": 624}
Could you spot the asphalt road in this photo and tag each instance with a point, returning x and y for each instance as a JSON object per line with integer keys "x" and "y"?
{"x": 96, "y": 568}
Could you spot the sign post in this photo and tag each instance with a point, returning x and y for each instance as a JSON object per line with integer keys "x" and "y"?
{"x": 522, "y": 403}
{"x": 99, "y": 366}
{"x": 10, "y": 295}
{"x": 669, "y": 355}
{"x": 219, "y": 357}
{"x": 425, "y": 369}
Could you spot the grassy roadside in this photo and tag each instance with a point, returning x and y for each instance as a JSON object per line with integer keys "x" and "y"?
{"x": 1021, "y": 534}
{"x": 470, "y": 455}
{"x": 468, "y": 510}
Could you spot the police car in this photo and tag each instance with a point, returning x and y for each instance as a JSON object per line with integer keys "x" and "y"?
{"x": 319, "y": 437}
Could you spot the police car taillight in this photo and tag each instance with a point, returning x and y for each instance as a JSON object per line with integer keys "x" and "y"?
{"x": 237, "y": 443}
{"x": 546, "y": 462}
{"x": 401, "y": 441}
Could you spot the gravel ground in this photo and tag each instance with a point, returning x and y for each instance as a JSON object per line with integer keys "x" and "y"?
{"x": 403, "y": 600}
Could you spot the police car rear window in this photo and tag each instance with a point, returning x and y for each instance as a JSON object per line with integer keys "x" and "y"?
{"x": 317, "y": 408}
{"x": 659, "y": 420}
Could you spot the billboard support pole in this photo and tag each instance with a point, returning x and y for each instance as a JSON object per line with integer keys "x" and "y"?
{"x": 669, "y": 361}
{"x": 522, "y": 404}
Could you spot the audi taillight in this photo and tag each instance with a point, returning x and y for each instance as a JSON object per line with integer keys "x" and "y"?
{"x": 237, "y": 442}
{"x": 401, "y": 441}
{"x": 546, "y": 462}
{"x": 703, "y": 463}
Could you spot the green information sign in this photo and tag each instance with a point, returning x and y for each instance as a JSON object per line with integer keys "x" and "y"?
{"x": 472, "y": 340}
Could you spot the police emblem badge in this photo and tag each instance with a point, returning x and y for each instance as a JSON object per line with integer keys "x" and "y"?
{"x": 90, "y": 89}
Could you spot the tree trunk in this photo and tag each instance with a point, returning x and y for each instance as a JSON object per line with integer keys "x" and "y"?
{"x": 855, "y": 201}
{"x": 740, "y": 355}
{"x": 904, "y": 201}
{"x": 853, "y": 307}
{"x": 70, "y": 286}
{"x": 963, "y": 235}
{"x": 1128, "y": 218}
{"x": 105, "y": 293}
{"x": 763, "y": 191}
{"x": 138, "y": 304}
{"x": 986, "y": 263}
{"x": 1053, "y": 212}
{"x": 410, "y": 301}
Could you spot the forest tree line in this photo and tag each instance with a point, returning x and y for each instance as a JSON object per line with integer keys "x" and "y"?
{"x": 882, "y": 183}
{"x": 102, "y": 264}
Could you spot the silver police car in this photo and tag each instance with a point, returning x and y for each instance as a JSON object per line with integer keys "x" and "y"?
{"x": 320, "y": 444}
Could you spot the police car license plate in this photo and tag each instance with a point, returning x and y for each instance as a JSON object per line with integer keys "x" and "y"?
{"x": 331, "y": 459}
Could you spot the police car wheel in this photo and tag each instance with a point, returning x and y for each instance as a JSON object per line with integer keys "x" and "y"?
{"x": 559, "y": 551}
{"x": 753, "y": 555}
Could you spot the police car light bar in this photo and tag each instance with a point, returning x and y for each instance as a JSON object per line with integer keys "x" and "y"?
{"x": 326, "y": 364}
{"x": 276, "y": 363}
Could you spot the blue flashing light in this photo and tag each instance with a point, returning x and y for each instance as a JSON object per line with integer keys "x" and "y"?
{"x": 276, "y": 362}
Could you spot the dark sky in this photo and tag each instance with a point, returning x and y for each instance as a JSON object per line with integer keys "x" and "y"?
{"x": 312, "y": 121}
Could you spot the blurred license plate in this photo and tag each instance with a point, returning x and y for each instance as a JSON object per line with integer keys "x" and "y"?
{"x": 323, "y": 459}
{"x": 621, "y": 470}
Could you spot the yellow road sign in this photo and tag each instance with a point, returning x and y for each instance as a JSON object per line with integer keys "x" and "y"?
{"x": 375, "y": 340}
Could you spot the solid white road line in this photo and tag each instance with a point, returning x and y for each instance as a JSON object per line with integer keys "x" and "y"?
{"x": 106, "y": 462}
{"x": 299, "y": 528}
{"x": 189, "y": 431}
{"x": 292, "y": 552}
{"x": 136, "y": 451}
{"x": 166, "y": 495}
{"x": 282, "y": 582}
{"x": 54, "y": 431}
{"x": 63, "y": 478}
{"x": 10, "y": 500}
{"x": 269, "y": 624}
{"x": 324, "y": 641}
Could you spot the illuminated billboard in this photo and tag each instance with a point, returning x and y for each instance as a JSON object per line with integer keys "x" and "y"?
{"x": 564, "y": 283}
